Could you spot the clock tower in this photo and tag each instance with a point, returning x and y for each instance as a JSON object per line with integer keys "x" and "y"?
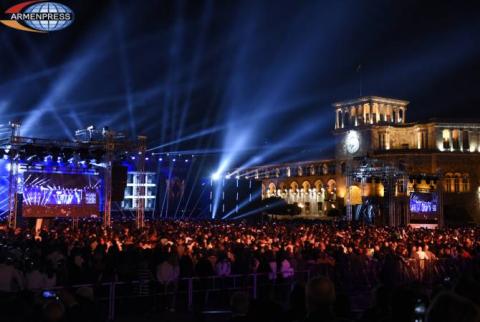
{"x": 355, "y": 119}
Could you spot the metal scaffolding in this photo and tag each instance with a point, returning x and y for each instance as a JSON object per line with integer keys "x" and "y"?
{"x": 386, "y": 174}
{"x": 140, "y": 213}
{"x": 111, "y": 144}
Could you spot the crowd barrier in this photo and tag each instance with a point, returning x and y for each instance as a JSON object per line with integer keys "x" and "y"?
{"x": 197, "y": 293}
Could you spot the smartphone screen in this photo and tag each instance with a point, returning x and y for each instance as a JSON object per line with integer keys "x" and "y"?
{"x": 49, "y": 295}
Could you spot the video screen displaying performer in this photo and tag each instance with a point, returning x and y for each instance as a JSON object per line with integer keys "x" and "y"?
{"x": 424, "y": 207}
{"x": 60, "y": 195}
{"x": 423, "y": 203}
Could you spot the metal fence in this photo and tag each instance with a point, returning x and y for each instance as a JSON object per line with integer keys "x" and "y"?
{"x": 196, "y": 293}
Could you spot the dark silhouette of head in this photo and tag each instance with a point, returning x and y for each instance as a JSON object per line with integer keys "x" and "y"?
{"x": 449, "y": 307}
{"x": 320, "y": 294}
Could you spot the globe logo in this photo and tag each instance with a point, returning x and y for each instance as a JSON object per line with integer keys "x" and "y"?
{"x": 39, "y": 16}
{"x": 49, "y": 25}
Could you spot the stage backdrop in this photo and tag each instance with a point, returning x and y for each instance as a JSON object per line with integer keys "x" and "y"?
{"x": 60, "y": 195}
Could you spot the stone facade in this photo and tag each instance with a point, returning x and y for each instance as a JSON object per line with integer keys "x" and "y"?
{"x": 377, "y": 128}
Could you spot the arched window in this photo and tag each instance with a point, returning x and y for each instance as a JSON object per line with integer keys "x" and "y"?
{"x": 289, "y": 172}
{"x": 306, "y": 186}
{"x": 448, "y": 181}
{"x": 331, "y": 186}
{"x": 465, "y": 182}
{"x": 318, "y": 185}
{"x": 312, "y": 170}
{"x": 272, "y": 189}
{"x": 456, "y": 182}
{"x": 294, "y": 186}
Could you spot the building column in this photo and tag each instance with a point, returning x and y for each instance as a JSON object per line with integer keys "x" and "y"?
{"x": 460, "y": 139}
{"x": 450, "y": 139}
{"x": 355, "y": 121}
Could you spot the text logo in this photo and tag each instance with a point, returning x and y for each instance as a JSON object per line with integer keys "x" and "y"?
{"x": 38, "y": 16}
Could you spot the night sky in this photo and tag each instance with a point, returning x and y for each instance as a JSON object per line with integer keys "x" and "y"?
{"x": 208, "y": 76}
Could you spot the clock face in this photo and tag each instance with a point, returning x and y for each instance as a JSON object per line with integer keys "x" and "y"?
{"x": 352, "y": 142}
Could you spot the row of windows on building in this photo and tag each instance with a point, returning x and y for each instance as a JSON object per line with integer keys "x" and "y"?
{"x": 305, "y": 187}
{"x": 453, "y": 140}
{"x": 453, "y": 182}
{"x": 355, "y": 118}
{"x": 310, "y": 170}
{"x": 456, "y": 139}
{"x": 456, "y": 182}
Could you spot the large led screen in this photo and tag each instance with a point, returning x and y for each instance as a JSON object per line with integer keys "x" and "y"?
{"x": 423, "y": 203}
{"x": 60, "y": 195}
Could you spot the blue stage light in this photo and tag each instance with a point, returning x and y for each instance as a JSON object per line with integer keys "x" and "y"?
{"x": 216, "y": 176}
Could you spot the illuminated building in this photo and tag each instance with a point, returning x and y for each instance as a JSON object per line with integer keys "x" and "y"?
{"x": 438, "y": 156}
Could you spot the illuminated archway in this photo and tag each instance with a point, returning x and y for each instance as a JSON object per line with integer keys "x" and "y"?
{"x": 355, "y": 195}
{"x": 306, "y": 186}
{"x": 465, "y": 182}
{"x": 331, "y": 186}
{"x": 448, "y": 182}
{"x": 457, "y": 179}
{"x": 272, "y": 189}
{"x": 294, "y": 186}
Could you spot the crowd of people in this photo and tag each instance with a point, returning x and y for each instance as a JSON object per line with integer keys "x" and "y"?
{"x": 166, "y": 251}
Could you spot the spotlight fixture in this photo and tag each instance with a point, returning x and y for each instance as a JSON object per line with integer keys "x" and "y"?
{"x": 215, "y": 176}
